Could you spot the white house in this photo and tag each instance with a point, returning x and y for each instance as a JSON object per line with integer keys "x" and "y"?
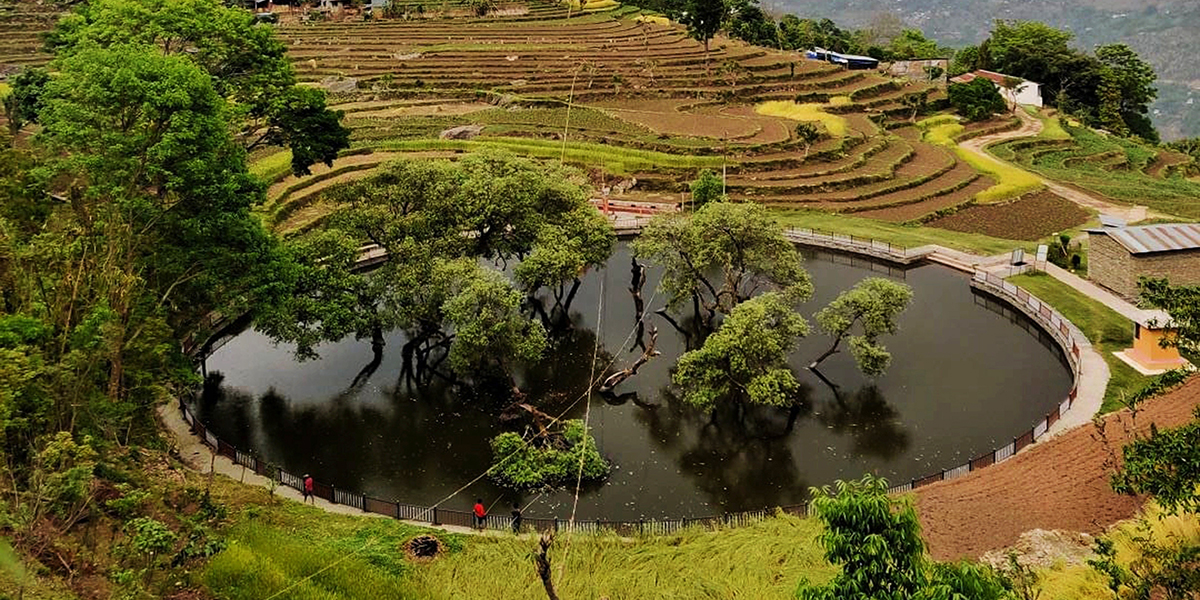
{"x": 1025, "y": 92}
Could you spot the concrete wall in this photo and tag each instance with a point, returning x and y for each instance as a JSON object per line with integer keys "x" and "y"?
{"x": 1025, "y": 93}
{"x": 1112, "y": 266}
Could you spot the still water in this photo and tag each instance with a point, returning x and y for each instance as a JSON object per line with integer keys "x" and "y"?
{"x": 966, "y": 376}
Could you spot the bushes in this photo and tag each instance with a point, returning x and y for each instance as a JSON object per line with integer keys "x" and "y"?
{"x": 976, "y": 100}
{"x": 550, "y": 463}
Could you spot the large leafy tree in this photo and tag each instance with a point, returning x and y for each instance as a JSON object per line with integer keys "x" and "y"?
{"x": 1131, "y": 81}
{"x": 747, "y": 357}
{"x": 704, "y": 19}
{"x": 22, "y": 104}
{"x": 246, "y": 62}
{"x": 722, "y": 255}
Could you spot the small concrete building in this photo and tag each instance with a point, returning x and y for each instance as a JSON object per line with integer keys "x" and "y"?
{"x": 1118, "y": 256}
{"x": 1024, "y": 93}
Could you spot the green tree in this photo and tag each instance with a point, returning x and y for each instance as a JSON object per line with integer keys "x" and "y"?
{"x": 708, "y": 187}
{"x": 1132, "y": 79}
{"x": 747, "y": 357}
{"x": 24, "y": 101}
{"x": 912, "y": 44}
{"x": 550, "y": 460}
{"x": 704, "y": 19}
{"x": 748, "y": 22}
{"x": 807, "y": 133}
{"x": 976, "y": 100}
{"x": 247, "y": 62}
{"x": 872, "y": 305}
{"x": 877, "y": 541}
{"x": 740, "y": 242}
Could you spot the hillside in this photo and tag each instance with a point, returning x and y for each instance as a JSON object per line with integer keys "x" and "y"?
{"x": 1164, "y": 32}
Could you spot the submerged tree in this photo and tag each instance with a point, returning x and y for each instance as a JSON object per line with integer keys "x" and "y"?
{"x": 747, "y": 356}
{"x": 739, "y": 243}
{"x": 873, "y": 305}
{"x": 552, "y": 458}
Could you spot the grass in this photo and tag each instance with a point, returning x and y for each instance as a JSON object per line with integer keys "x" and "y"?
{"x": 272, "y": 167}
{"x": 902, "y": 235}
{"x": 5, "y": 89}
{"x": 616, "y": 160}
{"x": 1104, "y": 328}
{"x": 761, "y": 561}
{"x": 834, "y": 124}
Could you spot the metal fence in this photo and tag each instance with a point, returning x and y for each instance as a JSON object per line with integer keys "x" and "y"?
{"x": 1037, "y": 310}
{"x": 870, "y": 246}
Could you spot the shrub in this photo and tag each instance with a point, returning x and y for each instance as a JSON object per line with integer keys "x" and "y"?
{"x": 547, "y": 463}
{"x": 976, "y": 100}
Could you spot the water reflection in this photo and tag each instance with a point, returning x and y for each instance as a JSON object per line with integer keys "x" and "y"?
{"x": 963, "y": 378}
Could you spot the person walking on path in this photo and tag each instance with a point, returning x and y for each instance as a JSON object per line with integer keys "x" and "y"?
{"x": 480, "y": 513}
{"x": 308, "y": 489}
{"x": 516, "y": 519}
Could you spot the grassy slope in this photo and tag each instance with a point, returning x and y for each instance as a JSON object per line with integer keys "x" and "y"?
{"x": 902, "y": 235}
{"x": 1107, "y": 330}
{"x": 274, "y": 546}
{"x": 1011, "y": 181}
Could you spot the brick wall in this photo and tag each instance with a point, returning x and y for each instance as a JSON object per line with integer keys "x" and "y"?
{"x": 1112, "y": 266}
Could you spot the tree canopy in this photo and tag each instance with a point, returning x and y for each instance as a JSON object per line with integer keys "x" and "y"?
{"x": 747, "y": 356}
{"x": 722, "y": 255}
{"x": 246, "y": 61}
{"x": 873, "y": 305}
{"x": 977, "y": 100}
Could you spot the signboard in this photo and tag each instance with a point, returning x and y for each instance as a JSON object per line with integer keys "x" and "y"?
{"x": 1043, "y": 252}
{"x": 1018, "y": 256}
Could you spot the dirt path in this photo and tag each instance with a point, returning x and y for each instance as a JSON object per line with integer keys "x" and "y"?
{"x": 1030, "y": 127}
{"x": 1062, "y": 483}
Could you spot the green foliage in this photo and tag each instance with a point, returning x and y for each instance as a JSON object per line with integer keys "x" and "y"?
{"x": 150, "y": 537}
{"x": 875, "y": 538}
{"x": 1166, "y": 464}
{"x": 23, "y": 103}
{"x": 1182, "y": 302}
{"x": 976, "y": 100}
{"x": 549, "y": 461}
{"x": 808, "y": 134}
{"x": 747, "y": 357}
{"x": 703, "y": 18}
{"x": 129, "y": 503}
{"x": 877, "y": 541}
{"x": 872, "y": 305}
{"x": 708, "y": 187}
{"x": 739, "y": 241}
{"x": 748, "y": 22}
{"x": 485, "y": 312}
{"x": 912, "y": 44}
{"x": 246, "y": 62}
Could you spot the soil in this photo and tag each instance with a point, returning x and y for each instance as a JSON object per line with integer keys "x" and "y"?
{"x": 669, "y": 117}
{"x": 1062, "y": 483}
{"x": 1041, "y": 549}
{"x": 1030, "y": 217}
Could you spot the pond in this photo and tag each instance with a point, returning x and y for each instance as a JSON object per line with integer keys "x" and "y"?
{"x": 965, "y": 378}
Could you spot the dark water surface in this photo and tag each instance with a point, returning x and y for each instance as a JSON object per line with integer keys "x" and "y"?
{"x": 964, "y": 380}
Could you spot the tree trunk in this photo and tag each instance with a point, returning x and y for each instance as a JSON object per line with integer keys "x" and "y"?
{"x": 541, "y": 561}
{"x": 620, "y": 376}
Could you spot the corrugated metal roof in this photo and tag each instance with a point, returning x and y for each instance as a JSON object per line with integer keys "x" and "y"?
{"x": 1144, "y": 239}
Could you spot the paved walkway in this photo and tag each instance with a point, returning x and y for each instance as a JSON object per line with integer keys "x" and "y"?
{"x": 199, "y": 458}
{"x": 1116, "y": 303}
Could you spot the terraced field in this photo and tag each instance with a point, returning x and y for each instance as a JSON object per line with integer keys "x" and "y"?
{"x": 1117, "y": 169}
{"x": 633, "y": 100}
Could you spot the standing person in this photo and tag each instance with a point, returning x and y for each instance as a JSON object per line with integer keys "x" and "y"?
{"x": 308, "y": 489}
{"x": 516, "y": 516}
{"x": 479, "y": 512}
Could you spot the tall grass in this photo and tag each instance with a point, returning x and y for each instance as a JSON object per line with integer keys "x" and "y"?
{"x": 763, "y": 561}
{"x": 834, "y": 124}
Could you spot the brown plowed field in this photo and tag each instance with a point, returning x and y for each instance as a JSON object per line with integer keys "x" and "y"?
{"x": 1062, "y": 483}
{"x": 1030, "y": 217}
{"x": 909, "y": 212}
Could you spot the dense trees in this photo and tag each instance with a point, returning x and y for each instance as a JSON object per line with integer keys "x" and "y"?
{"x": 1111, "y": 89}
{"x": 246, "y": 62}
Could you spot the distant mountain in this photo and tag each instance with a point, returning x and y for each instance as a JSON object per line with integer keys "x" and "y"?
{"x": 1166, "y": 33}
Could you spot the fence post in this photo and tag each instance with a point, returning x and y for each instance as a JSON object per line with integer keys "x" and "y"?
{"x": 556, "y": 524}
{"x": 435, "y": 517}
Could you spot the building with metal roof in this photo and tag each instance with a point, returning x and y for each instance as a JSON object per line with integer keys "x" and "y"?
{"x": 1119, "y": 255}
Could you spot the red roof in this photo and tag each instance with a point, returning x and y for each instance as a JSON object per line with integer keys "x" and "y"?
{"x": 996, "y": 78}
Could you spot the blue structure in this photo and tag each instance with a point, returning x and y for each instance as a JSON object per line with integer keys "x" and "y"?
{"x": 850, "y": 61}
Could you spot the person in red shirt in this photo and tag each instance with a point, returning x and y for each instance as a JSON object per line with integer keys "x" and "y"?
{"x": 480, "y": 513}
{"x": 308, "y": 488}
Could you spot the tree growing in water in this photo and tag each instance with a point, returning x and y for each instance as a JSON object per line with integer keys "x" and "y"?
{"x": 747, "y": 355}
{"x": 548, "y": 459}
{"x": 873, "y": 304}
{"x": 720, "y": 256}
